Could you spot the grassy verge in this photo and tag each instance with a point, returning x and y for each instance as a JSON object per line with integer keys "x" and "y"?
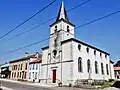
{"x": 107, "y": 84}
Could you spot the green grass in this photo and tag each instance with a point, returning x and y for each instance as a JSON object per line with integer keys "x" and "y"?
{"x": 107, "y": 84}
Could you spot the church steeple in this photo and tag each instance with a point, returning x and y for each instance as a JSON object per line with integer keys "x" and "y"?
{"x": 62, "y": 13}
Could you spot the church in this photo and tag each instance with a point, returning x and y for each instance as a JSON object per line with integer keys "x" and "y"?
{"x": 66, "y": 59}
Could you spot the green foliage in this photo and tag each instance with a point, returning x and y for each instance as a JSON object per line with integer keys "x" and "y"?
{"x": 107, "y": 84}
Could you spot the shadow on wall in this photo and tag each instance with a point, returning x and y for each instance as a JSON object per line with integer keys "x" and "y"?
{"x": 116, "y": 84}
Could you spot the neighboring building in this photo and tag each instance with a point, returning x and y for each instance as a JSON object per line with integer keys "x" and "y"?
{"x": 19, "y": 68}
{"x": 112, "y": 73}
{"x": 4, "y": 70}
{"x": 117, "y": 70}
{"x": 35, "y": 69}
{"x": 67, "y": 59}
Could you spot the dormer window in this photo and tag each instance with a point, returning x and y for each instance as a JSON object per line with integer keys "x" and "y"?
{"x": 68, "y": 30}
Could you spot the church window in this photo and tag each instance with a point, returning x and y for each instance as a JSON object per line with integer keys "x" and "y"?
{"x": 100, "y": 54}
{"x": 94, "y": 52}
{"x": 102, "y": 69}
{"x": 55, "y": 29}
{"x": 96, "y": 67}
{"x": 54, "y": 52}
{"x": 87, "y": 49}
{"x": 79, "y": 64}
{"x": 107, "y": 69}
{"x": 79, "y": 47}
{"x": 88, "y": 65}
{"x": 105, "y": 55}
{"x": 68, "y": 30}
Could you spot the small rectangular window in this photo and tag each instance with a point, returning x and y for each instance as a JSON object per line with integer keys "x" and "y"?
{"x": 29, "y": 75}
{"x": 36, "y": 66}
{"x": 36, "y": 75}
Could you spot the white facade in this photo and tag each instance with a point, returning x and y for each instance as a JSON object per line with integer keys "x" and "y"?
{"x": 34, "y": 71}
{"x": 60, "y": 58}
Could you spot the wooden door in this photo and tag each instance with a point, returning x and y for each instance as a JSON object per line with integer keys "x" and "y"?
{"x": 54, "y": 76}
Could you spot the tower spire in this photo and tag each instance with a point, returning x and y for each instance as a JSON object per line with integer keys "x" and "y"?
{"x": 62, "y": 13}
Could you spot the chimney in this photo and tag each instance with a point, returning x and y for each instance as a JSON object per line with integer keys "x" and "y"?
{"x": 37, "y": 54}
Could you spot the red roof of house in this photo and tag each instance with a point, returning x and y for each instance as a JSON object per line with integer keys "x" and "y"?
{"x": 117, "y": 68}
{"x": 36, "y": 61}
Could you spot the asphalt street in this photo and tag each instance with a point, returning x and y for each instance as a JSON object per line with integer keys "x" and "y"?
{"x": 18, "y": 86}
{"x": 22, "y": 86}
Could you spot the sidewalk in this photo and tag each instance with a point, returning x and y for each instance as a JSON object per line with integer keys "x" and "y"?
{"x": 51, "y": 86}
{"x": 28, "y": 83}
{"x": 5, "y": 88}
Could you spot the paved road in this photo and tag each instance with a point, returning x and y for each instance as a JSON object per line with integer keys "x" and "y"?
{"x": 18, "y": 86}
{"x": 22, "y": 86}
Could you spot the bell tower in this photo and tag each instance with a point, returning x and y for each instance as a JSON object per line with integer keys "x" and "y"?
{"x": 62, "y": 29}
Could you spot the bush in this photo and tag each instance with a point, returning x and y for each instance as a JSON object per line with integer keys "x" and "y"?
{"x": 111, "y": 80}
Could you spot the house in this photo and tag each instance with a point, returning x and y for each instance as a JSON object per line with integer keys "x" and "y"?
{"x": 66, "y": 60}
{"x": 4, "y": 70}
{"x": 117, "y": 70}
{"x": 19, "y": 68}
{"x": 35, "y": 68}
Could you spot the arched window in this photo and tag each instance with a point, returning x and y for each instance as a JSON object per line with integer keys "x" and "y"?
{"x": 87, "y": 49}
{"x": 68, "y": 30}
{"x": 55, "y": 29}
{"x": 107, "y": 69}
{"x": 79, "y": 64}
{"x": 105, "y": 55}
{"x": 102, "y": 69}
{"x": 96, "y": 67}
{"x": 79, "y": 47}
{"x": 88, "y": 66}
{"x": 94, "y": 52}
{"x": 100, "y": 54}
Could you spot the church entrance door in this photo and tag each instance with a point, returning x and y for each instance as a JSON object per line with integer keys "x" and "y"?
{"x": 54, "y": 76}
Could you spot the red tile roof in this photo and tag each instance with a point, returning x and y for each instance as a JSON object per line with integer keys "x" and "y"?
{"x": 28, "y": 57}
{"x": 36, "y": 61}
{"x": 117, "y": 68}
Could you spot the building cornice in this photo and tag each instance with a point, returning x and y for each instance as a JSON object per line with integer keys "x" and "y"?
{"x": 58, "y": 62}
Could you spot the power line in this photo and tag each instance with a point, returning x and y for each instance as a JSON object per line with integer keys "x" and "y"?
{"x": 98, "y": 19}
{"x": 29, "y": 45}
{"x": 27, "y": 19}
{"x": 28, "y": 30}
{"x": 24, "y": 32}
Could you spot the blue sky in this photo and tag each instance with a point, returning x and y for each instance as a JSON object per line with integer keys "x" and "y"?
{"x": 103, "y": 34}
